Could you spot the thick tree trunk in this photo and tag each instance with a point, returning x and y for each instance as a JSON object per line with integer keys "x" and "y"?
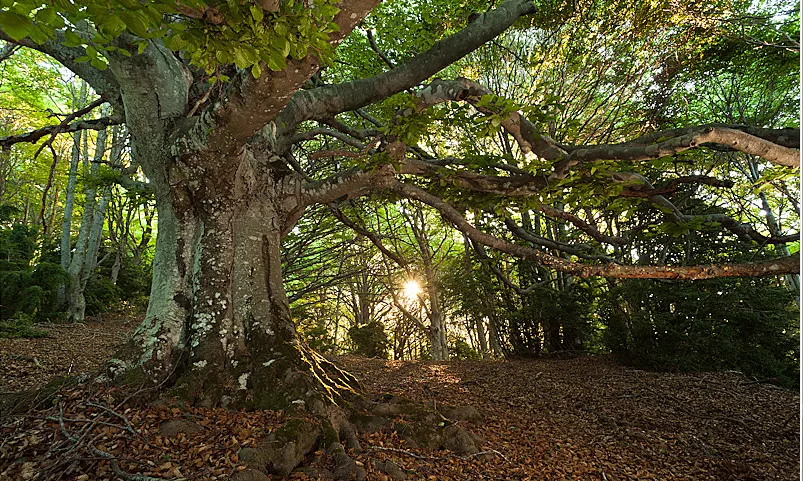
{"x": 218, "y": 323}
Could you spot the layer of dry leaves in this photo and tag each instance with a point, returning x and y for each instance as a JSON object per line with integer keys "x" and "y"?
{"x": 583, "y": 418}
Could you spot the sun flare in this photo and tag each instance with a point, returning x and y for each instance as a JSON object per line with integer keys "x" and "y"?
{"x": 412, "y": 289}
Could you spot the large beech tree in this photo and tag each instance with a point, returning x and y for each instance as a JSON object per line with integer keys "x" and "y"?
{"x": 220, "y": 159}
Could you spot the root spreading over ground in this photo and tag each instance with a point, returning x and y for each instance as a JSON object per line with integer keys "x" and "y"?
{"x": 584, "y": 418}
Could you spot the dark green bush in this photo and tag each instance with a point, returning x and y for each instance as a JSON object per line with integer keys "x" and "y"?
{"x": 370, "y": 340}
{"x": 462, "y": 351}
{"x": 101, "y": 295}
{"x": 748, "y": 325}
{"x": 20, "y": 327}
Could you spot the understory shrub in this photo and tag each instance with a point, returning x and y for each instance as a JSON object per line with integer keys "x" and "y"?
{"x": 748, "y": 325}
{"x": 370, "y": 340}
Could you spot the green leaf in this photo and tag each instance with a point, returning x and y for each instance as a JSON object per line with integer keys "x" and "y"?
{"x": 257, "y": 13}
{"x": 256, "y": 71}
{"x": 15, "y": 25}
{"x": 98, "y": 63}
{"x": 72, "y": 39}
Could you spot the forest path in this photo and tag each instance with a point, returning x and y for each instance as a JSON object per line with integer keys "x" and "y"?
{"x": 589, "y": 418}
{"x": 583, "y": 418}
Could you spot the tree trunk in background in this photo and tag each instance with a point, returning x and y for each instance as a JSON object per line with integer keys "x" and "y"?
{"x": 792, "y": 281}
{"x": 82, "y": 261}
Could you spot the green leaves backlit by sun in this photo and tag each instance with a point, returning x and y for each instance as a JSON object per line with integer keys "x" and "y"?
{"x": 211, "y": 33}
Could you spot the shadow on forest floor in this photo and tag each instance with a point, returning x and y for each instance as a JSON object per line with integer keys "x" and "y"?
{"x": 584, "y": 418}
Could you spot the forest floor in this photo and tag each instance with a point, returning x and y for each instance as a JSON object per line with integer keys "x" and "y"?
{"x": 583, "y": 418}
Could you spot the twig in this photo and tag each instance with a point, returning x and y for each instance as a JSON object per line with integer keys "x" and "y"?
{"x": 124, "y": 475}
{"x": 440, "y": 458}
{"x": 70, "y": 420}
{"x": 115, "y": 413}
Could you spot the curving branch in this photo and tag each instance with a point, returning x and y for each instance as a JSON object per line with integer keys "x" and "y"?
{"x": 784, "y": 265}
{"x": 327, "y": 101}
{"x": 486, "y": 260}
{"x": 584, "y": 226}
{"x": 743, "y": 231}
{"x": 732, "y": 138}
{"x": 346, "y": 185}
{"x": 579, "y": 250}
{"x": 102, "y": 81}
{"x": 35, "y": 135}
{"x": 402, "y": 262}
{"x": 786, "y": 137}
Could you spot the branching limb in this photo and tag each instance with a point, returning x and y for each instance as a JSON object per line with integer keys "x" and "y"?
{"x": 402, "y": 262}
{"x": 311, "y": 134}
{"x": 253, "y": 103}
{"x": 735, "y": 139}
{"x": 487, "y": 261}
{"x": 62, "y": 128}
{"x": 328, "y": 101}
{"x": 579, "y": 250}
{"x": 8, "y": 50}
{"x": 346, "y": 185}
{"x": 584, "y": 226}
{"x": 744, "y": 231}
{"x": 787, "y": 137}
{"x": 673, "y": 185}
{"x": 526, "y": 134}
{"x": 785, "y": 265}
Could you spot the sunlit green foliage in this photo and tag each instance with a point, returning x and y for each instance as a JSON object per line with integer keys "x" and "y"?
{"x": 211, "y": 33}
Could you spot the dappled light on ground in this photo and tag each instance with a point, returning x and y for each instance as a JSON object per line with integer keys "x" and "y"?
{"x": 585, "y": 418}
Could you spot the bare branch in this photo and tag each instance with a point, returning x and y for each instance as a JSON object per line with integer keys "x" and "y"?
{"x": 583, "y": 226}
{"x": 34, "y": 136}
{"x": 487, "y": 261}
{"x": 370, "y": 235}
{"x": 785, "y": 265}
{"x": 579, "y": 250}
{"x": 346, "y": 185}
{"x": 8, "y": 50}
{"x": 732, "y": 138}
{"x": 378, "y": 51}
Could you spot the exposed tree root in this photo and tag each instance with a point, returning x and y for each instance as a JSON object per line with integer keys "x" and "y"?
{"x": 336, "y": 434}
{"x": 326, "y": 418}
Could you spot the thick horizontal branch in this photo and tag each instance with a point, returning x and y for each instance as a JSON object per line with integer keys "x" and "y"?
{"x": 785, "y": 265}
{"x": 520, "y": 185}
{"x": 786, "y": 137}
{"x": 346, "y": 185}
{"x": 673, "y": 185}
{"x": 731, "y": 138}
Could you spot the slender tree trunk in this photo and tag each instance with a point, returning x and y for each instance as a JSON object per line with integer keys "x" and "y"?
{"x": 82, "y": 260}
{"x": 69, "y": 202}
